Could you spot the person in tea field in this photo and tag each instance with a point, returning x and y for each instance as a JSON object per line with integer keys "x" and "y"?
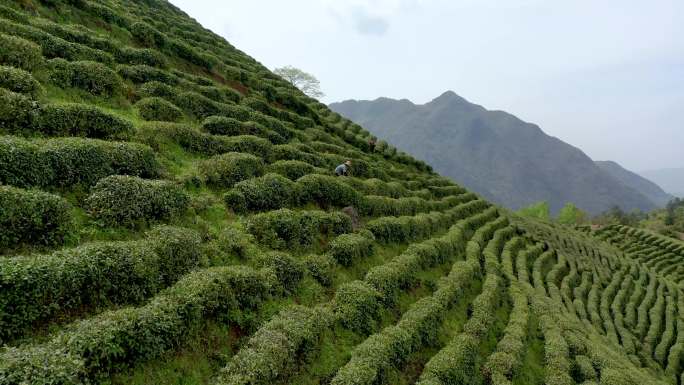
{"x": 343, "y": 169}
{"x": 371, "y": 143}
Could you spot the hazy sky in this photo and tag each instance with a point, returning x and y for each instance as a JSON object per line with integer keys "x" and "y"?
{"x": 606, "y": 76}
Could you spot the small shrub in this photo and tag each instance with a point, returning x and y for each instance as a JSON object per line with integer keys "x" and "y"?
{"x": 20, "y": 53}
{"x": 357, "y": 304}
{"x": 348, "y": 248}
{"x": 268, "y": 192}
{"x": 93, "y": 77}
{"x": 327, "y": 191}
{"x": 198, "y": 105}
{"x": 15, "y": 111}
{"x": 147, "y": 35}
{"x": 71, "y": 119}
{"x": 32, "y": 217}
{"x": 144, "y": 73}
{"x": 126, "y": 200}
{"x": 286, "y": 228}
{"x": 227, "y": 169}
{"x": 135, "y": 56}
{"x": 288, "y": 270}
{"x": 221, "y": 125}
{"x": 18, "y": 80}
{"x": 235, "y": 242}
{"x": 155, "y": 108}
{"x": 291, "y": 169}
{"x": 321, "y": 267}
{"x": 158, "y": 89}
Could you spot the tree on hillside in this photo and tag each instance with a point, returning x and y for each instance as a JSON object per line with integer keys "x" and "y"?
{"x": 571, "y": 215}
{"x": 306, "y": 82}
{"x": 539, "y": 210}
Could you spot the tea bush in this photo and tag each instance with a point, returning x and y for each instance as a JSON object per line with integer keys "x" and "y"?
{"x": 227, "y": 169}
{"x": 90, "y": 76}
{"x": 71, "y": 119}
{"x": 16, "y": 112}
{"x": 346, "y": 249}
{"x": 127, "y": 200}
{"x": 155, "y": 108}
{"x": 291, "y": 169}
{"x": 327, "y": 191}
{"x": 267, "y": 192}
{"x": 20, "y": 53}
{"x": 18, "y": 80}
{"x": 33, "y": 217}
{"x": 122, "y": 337}
{"x": 286, "y": 228}
{"x": 38, "y": 288}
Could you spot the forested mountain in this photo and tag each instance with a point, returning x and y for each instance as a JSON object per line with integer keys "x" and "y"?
{"x": 169, "y": 215}
{"x": 509, "y": 161}
{"x": 647, "y": 188}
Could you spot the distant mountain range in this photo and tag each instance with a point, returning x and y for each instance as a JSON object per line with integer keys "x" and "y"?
{"x": 503, "y": 158}
{"x": 670, "y": 179}
{"x": 651, "y": 190}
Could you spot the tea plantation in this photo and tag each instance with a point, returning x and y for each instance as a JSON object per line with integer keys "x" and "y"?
{"x": 169, "y": 215}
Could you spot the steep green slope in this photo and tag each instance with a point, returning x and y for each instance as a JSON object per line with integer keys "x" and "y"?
{"x": 507, "y": 160}
{"x": 168, "y": 216}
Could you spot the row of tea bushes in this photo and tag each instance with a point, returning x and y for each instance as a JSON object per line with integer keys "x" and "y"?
{"x": 121, "y": 200}
{"x": 32, "y": 217}
{"x": 292, "y": 229}
{"x": 89, "y": 350}
{"x": 39, "y": 288}
{"x": 65, "y": 162}
{"x": 21, "y": 115}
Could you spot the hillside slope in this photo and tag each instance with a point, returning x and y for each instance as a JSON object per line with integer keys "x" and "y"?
{"x": 168, "y": 216}
{"x": 670, "y": 179}
{"x": 509, "y": 161}
{"x": 638, "y": 183}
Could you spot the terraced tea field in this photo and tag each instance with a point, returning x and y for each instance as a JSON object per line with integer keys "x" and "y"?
{"x": 168, "y": 215}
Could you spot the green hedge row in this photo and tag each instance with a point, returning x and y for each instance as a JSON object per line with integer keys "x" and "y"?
{"x": 456, "y": 362}
{"x": 267, "y": 192}
{"x": 20, "y": 81}
{"x": 357, "y": 304}
{"x": 417, "y": 328}
{"x": 93, "y": 77}
{"x": 401, "y": 272}
{"x": 121, "y": 200}
{"x": 71, "y": 119}
{"x": 16, "y": 111}
{"x": 20, "y": 53}
{"x": 277, "y": 348}
{"x": 221, "y": 125}
{"x": 53, "y": 46}
{"x": 21, "y": 115}
{"x": 407, "y": 228}
{"x": 291, "y": 169}
{"x": 327, "y": 191}
{"x": 504, "y": 363}
{"x": 206, "y": 144}
{"x": 33, "y": 217}
{"x": 227, "y": 169}
{"x": 71, "y": 161}
{"x": 155, "y": 108}
{"x": 90, "y": 350}
{"x": 349, "y": 248}
{"x": 286, "y": 228}
{"x": 373, "y": 205}
{"x": 35, "y": 289}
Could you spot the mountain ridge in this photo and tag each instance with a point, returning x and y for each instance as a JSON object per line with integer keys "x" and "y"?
{"x": 449, "y": 132}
